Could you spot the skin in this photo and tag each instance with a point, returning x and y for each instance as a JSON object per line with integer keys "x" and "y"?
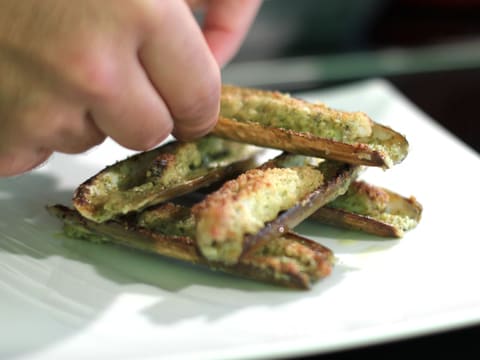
{"x": 73, "y": 73}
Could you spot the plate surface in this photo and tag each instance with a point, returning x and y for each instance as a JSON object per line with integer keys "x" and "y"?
{"x": 62, "y": 298}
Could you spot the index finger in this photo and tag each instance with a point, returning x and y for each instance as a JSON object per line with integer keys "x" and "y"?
{"x": 182, "y": 69}
{"x": 226, "y": 24}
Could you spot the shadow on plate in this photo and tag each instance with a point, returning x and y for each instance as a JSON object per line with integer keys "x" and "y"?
{"x": 55, "y": 287}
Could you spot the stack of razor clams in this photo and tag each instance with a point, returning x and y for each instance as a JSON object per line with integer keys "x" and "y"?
{"x": 213, "y": 202}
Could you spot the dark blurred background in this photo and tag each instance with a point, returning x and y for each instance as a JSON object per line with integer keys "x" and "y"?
{"x": 429, "y": 49}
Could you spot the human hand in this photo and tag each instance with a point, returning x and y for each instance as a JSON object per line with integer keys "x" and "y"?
{"x": 73, "y": 73}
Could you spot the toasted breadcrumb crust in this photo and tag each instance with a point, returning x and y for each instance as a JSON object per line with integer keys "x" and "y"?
{"x": 293, "y": 257}
{"x": 243, "y": 206}
{"x": 372, "y": 209}
{"x": 168, "y": 218}
{"x": 272, "y": 108}
{"x": 364, "y": 198}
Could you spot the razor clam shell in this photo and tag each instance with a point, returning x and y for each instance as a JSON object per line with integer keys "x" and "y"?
{"x": 310, "y": 145}
{"x": 183, "y": 248}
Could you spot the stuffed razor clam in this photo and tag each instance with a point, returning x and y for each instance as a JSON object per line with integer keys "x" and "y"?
{"x": 290, "y": 260}
{"x": 151, "y": 177}
{"x": 276, "y": 120}
{"x": 371, "y": 209}
{"x": 262, "y": 203}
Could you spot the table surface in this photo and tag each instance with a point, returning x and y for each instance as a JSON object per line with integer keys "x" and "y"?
{"x": 462, "y": 343}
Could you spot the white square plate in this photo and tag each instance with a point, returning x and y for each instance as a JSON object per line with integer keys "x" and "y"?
{"x": 62, "y": 298}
